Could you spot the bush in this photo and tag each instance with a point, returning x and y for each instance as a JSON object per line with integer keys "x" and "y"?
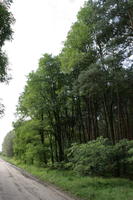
{"x": 122, "y": 157}
{"x": 100, "y": 157}
{"x": 91, "y": 158}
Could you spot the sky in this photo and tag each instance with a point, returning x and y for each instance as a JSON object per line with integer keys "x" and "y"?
{"x": 41, "y": 27}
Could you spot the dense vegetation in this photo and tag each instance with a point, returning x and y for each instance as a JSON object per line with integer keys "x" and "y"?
{"x": 7, "y": 146}
{"x": 6, "y": 20}
{"x": 76, "y": 99}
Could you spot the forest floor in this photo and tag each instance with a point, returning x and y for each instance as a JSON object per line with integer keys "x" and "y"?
{"x": 87, "y": 188}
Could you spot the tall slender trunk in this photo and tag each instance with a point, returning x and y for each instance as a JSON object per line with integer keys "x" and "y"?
{"x": 109, "y": 114}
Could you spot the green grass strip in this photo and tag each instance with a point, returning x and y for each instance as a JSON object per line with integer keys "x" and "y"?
{"x": 87, "y": 188}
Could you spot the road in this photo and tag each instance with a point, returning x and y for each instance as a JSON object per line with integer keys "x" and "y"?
{"x": 16, "y": 186}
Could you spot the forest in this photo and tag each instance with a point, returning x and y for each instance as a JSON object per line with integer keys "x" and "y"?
{"x": 76, "y": 110}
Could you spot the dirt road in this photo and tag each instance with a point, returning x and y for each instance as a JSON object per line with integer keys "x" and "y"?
{"x": 16, "y": 186}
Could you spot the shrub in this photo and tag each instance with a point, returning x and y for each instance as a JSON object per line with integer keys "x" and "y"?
{"x": 122, "y": 157}
{"x": 91, "y": 158}
{"x": 100, "y": 157}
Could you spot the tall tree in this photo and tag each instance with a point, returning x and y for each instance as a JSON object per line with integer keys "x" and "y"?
{"x": 98, "y": 51}
{"x": 42, "y": 101}
{"x": 6, "y": 20}
{"x": 86, "y": 91}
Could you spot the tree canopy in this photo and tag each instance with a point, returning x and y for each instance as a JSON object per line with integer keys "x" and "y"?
{"x": 6, "y": 21}
{"x": 84, "y": 93}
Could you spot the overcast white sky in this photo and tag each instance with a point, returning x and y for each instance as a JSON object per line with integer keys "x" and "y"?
{"x": 41, "y": 27}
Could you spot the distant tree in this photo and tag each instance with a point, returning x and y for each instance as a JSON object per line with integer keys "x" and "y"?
{"x": 27, "y": 144}
{"x": 7, "y": 146}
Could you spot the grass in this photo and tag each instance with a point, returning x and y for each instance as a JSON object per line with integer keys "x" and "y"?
{"x": 87, "y": 188}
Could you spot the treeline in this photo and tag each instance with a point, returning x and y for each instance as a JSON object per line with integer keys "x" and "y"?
{"x": 83, "y": 93}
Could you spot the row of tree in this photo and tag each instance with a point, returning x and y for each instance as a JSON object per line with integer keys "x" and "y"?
{"x": 84, "y": 92}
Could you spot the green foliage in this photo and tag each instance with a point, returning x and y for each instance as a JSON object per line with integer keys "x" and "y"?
{"x": 43, "y": 100}
{"x": 99, "y": 157}
{"x": 6, "y": 20}
{"x": 27, "y": 143}
{"x": 83, "y": 96}
{"x": 97, "y": 53}
{"x": 122, "y": 158}
{"x": 2, "y": 109}
{"x": 7, "y": 146}
{"x": 91, "y": 158}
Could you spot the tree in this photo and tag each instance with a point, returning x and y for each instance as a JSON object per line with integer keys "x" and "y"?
{"x": 6, "y": 20}
{"x": 27, "y": 144}
{"x": 98, "y": 52}
{"x": 41, "y": 101}
{"x": 86, "y": 91}
{"x": 7, "y": 146}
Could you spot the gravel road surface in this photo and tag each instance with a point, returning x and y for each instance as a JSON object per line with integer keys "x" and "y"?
{"x": 16, "y": 186}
